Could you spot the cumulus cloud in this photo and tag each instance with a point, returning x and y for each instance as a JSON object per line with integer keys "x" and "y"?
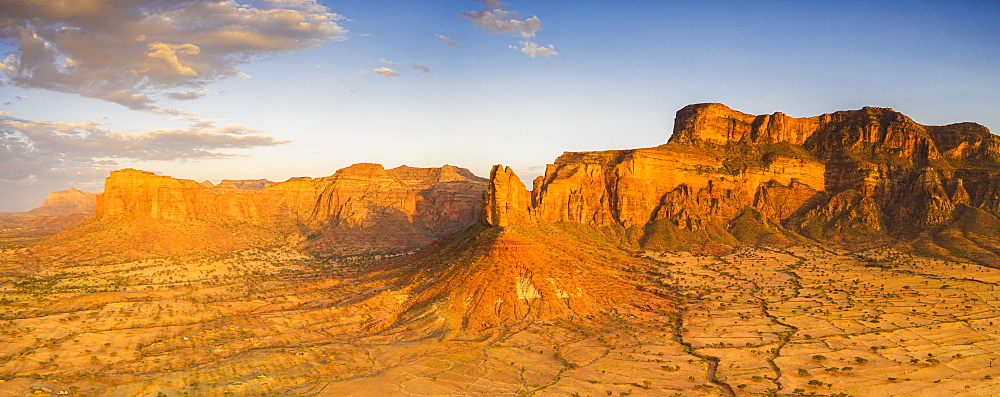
{"x": 447, "y": 40}
{"x": 532, "y": 49}
{"x": 421, "y": 67}
{"x": 387, "y": 62}
{"x": 494, "y": 19}
{"x": 132, "y": 52}
{"x": 384, "y": 71}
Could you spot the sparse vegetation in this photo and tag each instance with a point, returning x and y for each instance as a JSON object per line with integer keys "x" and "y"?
{"x": 258, "y": 312}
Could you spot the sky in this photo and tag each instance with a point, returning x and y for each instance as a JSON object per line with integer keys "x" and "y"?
{"x": 211, "y": 90}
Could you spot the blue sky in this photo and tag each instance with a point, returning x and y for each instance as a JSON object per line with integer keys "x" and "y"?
{"x": 296, "y": 91}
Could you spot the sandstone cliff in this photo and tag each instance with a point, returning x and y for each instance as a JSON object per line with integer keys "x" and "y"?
{"x": 725, "y": 177}
{"x": 360, "y": 209}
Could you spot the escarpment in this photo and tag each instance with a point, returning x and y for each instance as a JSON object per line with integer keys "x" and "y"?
{"x": 854, "y": 176}
{"x": 361, "y": 209}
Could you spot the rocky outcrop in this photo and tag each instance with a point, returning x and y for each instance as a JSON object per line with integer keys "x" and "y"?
{"x": 858, "y": 175}
{"x": 507, "y": 200}
{"x": 875, "y": 134}
{"x": 718, "y": 124}
{"x": 868, "y": 132}
{"x": 359, "y": 195}
{"x": 675, "y": 187}
{"x": 967, "y": 142}
{"x": 635, "y": 187}
{"x": 363, "y": 208}
{"x": 848, "y": 215}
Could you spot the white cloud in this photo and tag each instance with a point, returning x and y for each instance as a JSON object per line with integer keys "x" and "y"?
{"x": 447, "y": 40}
{"x": 384, "y": 71}
{"x": 502, "y": 21}
{"x": 532, "y": 49}
{"x": 493, "y": 19}
{"x": 188, "y": 95}
{"x": 421, "y": 67}
{"x": 30, "y": 149}
{"x": 303, "y": 5}
{"x": 131, "y": 52}
{"x": 387, "y": 62}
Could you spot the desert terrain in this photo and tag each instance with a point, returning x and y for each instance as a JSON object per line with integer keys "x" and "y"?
{"x": 805, "y": 320}
{"x": 849, "y": 254}
{"x": 271, "y": 198}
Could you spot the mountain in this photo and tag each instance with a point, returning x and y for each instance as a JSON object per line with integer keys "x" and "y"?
{"x": 724, "y": 178}
{"x": 361, "y": 209}
{"x": 509, "y": 268}
{"x": 66, "y": 202}
{"x": 60, "y": 211}
{"x": 727, "y": 178}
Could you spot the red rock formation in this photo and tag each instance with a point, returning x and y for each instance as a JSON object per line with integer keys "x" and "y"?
{"x": 851, "y": 175}
{"x": 507, "y": 200}
{"x": 778, "y": 202}
{"x": 354, "y": 196}
{"x": 718, "y": 124}
{"x": 967, "y": 142}
{"x": 361, "y": 208}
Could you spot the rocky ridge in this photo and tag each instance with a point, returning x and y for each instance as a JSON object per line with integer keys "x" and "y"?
{"x": 725, "y": 178}
{"x": 361, "y": 209}
{"x": 864, "y": 175}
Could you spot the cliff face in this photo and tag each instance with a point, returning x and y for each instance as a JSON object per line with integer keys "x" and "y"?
{"x": 507, "y": 200}
{"x": 359, "y": 195}
{"x": 717, "y": 123}
{"x": 635, "y": 187}
{"x": 858, "y": 175}
{"x": 363, "y": 208}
